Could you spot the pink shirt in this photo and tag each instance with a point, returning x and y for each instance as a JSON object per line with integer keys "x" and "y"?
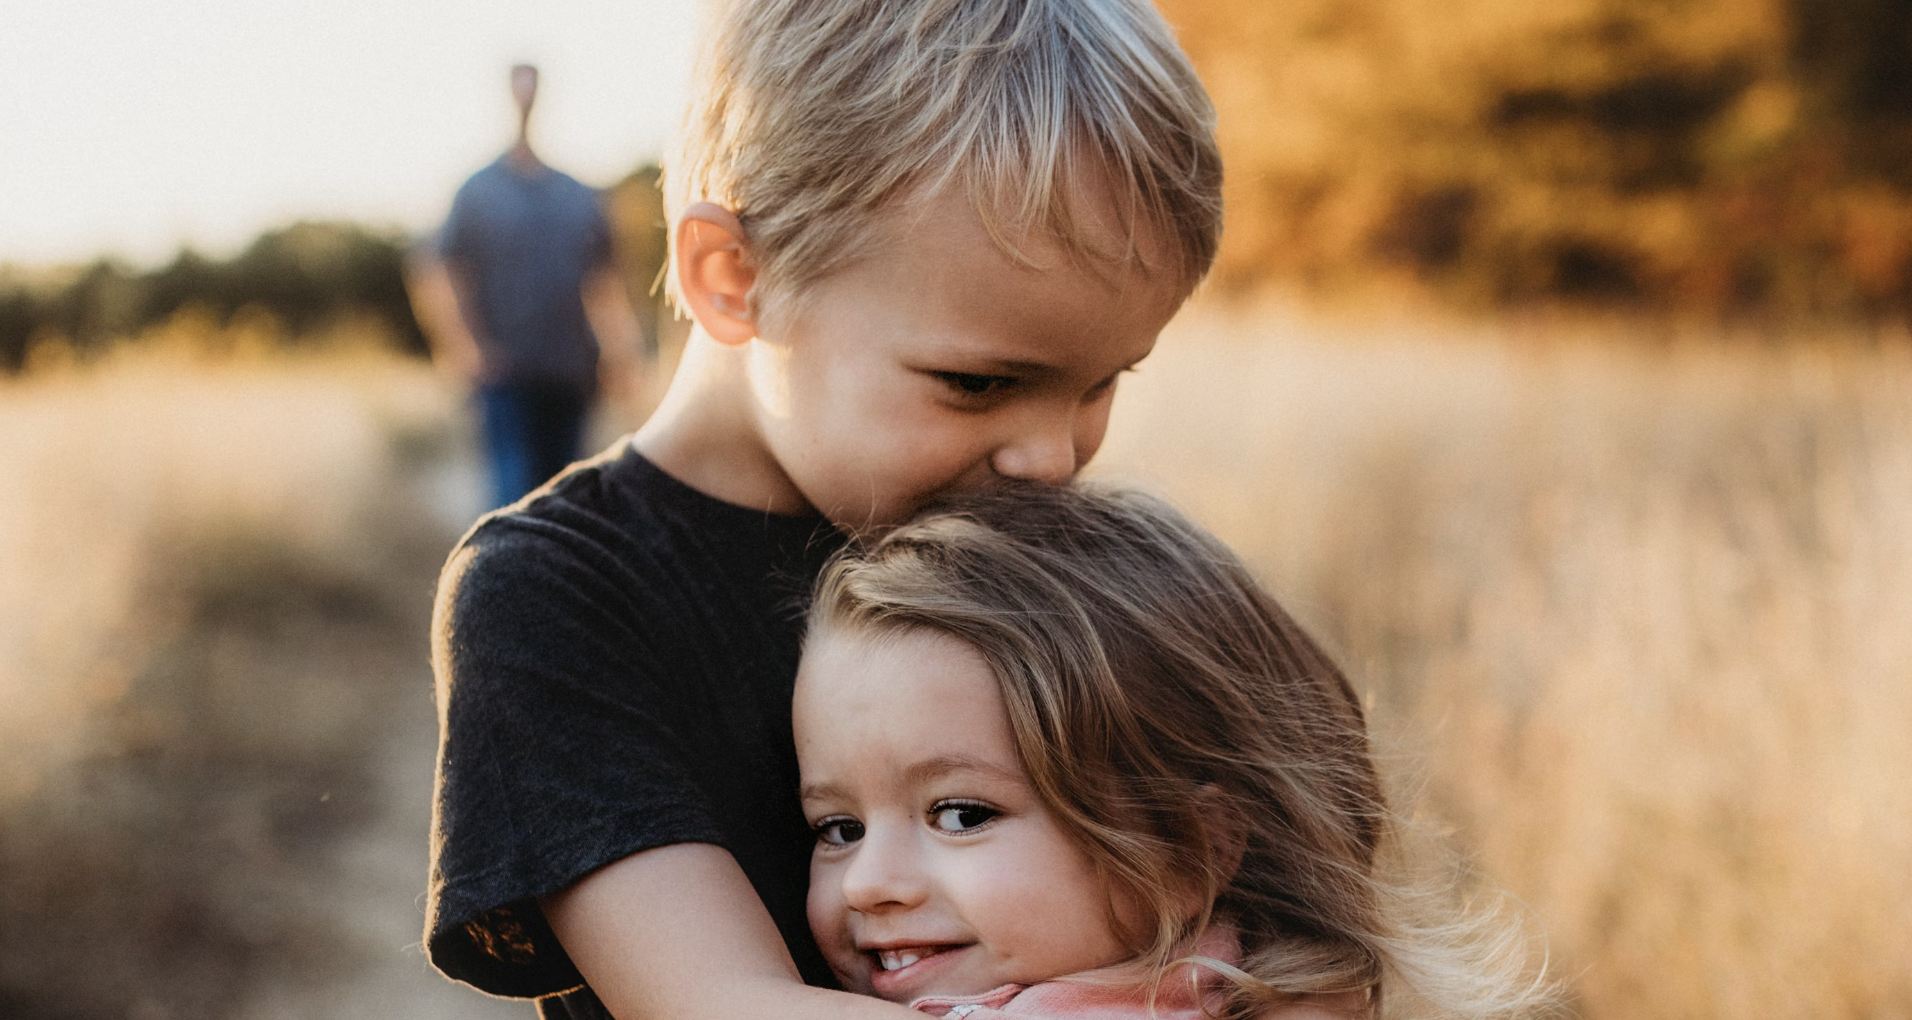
{"x": 1100, "y": 995}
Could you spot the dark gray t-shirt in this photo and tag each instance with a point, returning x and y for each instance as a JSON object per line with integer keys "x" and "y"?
{"x": 615, "y": 660}
{"x": 525, "y": 243}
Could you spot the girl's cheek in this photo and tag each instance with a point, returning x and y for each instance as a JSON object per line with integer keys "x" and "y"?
{"x": 829, "y": 917}
{"x": 824, "y": 918}
{"x": 830, "y": 926}
{"x": 813, "y": 907}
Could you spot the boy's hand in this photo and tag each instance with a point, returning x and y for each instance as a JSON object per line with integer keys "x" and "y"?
{"x": 678, "y": 932}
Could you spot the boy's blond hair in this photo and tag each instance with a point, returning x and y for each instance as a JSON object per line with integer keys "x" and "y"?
{"x": 810, "y": 118}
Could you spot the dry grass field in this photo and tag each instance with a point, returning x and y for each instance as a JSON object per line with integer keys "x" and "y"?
{"x": 216, "y": 725}
{"x": 1636, "y": 618}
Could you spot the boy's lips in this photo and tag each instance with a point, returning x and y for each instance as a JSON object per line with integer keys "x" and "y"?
{"x": 897, "y": 966}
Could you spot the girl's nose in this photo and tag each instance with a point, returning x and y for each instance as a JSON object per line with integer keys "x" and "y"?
{"x": 885, "y": 874}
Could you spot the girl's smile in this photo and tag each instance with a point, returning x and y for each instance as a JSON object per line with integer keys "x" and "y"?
{"x": 908, "y": 966}
{"x": 937, "y": 869}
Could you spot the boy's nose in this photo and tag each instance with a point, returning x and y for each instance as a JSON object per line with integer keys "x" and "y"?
{"x": 884, "y": 875}
{"x": 1044, "y": 451}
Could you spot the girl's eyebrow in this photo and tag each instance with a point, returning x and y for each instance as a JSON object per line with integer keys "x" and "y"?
{"x": 819, "y": 791}
{"x": 942, "y": 765}
{"x": 922, "y": 772}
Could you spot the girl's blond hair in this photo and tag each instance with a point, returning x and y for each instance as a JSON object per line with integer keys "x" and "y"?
{"x": 809, "y": 118}
{"x": 1192, "y": 738}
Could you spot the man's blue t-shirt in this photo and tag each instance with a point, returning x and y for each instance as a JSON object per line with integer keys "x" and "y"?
{"x": 525, "y": 242}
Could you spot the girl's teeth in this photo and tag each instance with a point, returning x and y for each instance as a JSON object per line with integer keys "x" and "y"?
{"x": 897, "y": 961}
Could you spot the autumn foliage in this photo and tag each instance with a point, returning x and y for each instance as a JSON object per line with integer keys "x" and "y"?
{"x": 1712, "y": 157}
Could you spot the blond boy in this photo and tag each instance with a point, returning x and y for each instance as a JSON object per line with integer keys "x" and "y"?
{"x": 921, "y": 240}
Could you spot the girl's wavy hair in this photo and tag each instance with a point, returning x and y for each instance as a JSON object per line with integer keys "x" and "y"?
{"x": 810, "y": 118}
{"x": 1193, "y": 738}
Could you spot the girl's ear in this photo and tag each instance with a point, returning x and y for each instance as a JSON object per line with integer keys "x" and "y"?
{"x": 1227, "y": 835}
{"x": 715, "y": 272}
{"x": 1227, "y": 832}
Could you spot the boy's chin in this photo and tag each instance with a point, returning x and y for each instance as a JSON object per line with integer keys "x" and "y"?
{"x": 866, "y": 527}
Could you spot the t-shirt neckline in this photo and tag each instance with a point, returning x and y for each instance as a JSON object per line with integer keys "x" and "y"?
{"x": 688, "y": 495}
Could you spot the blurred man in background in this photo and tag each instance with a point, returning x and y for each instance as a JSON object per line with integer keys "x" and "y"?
{"x": 521, "y": 298}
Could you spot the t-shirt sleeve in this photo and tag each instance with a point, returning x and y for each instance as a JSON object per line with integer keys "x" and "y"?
{"x": 557, "y": 754}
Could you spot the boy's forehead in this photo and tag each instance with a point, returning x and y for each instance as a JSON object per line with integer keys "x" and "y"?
{"x": 1101, "y": 227}
{"x": 971, "y": 304}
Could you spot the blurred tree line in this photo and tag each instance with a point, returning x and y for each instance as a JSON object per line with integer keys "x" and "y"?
{"x": 1725, "y": 157}
{"x": 1718, "y": 157}
{"x": 307, "y": 278}
{"x": 635, "y": 208}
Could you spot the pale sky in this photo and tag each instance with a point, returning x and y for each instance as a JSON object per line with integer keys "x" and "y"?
{"x": 131, "y": 127}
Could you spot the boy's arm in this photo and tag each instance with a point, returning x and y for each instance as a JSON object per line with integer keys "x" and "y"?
{"x": 678, "y": 932}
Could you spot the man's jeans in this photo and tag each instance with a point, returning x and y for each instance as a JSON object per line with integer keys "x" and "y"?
{"x": 531, "y": 431}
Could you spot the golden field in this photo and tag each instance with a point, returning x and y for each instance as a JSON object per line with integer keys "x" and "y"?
{"x": 1637, "y": 618}
{"x": 1634, "y": 616}
{"x": 216, "y": 725}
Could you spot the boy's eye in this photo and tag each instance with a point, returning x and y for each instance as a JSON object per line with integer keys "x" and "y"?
{"x": 838, "y": 831}
{"x": 960, "y": 816}
{"x": 972, "y": 384}
{"x": 1101, "y": 389}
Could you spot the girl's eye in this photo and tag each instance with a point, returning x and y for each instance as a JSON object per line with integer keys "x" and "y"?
{"x": 971, "y": 384}
{"x": 838, "y": 831}
{"x": 960, "y": 816}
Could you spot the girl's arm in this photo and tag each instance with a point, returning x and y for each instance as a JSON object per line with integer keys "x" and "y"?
{"x": 678, "y": 932}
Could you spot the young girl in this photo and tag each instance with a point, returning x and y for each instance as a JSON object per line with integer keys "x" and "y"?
{"x": 1047, "y": 732}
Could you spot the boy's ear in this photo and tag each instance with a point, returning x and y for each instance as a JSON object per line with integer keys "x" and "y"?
{"x": 715, "y": 273}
